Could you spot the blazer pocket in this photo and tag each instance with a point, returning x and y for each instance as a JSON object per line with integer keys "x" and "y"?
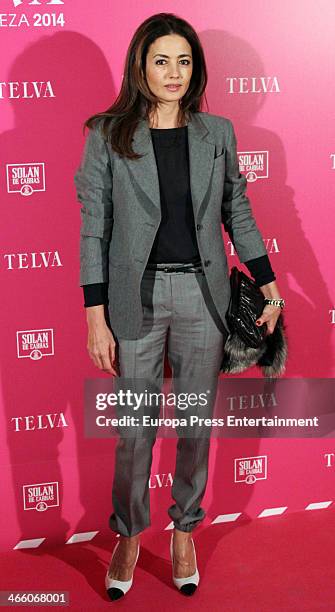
{"x": 96, "y": 226}
{"x": 219, "y": 153}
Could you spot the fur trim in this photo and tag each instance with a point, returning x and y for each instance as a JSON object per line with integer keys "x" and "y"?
{"x": 270, "y": 357}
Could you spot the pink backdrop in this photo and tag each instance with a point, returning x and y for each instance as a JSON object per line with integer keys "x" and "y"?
{"x": 269, "y": 70}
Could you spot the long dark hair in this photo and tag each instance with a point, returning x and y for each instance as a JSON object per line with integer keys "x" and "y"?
{"x": 135, "y": 99}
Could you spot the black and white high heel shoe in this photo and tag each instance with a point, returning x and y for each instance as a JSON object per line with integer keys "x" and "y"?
{"x": 189, "y": 584}
{"x": 117, "y": 588}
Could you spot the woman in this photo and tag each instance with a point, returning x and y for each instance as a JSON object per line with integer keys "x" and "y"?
{"x": 157, "y": 179}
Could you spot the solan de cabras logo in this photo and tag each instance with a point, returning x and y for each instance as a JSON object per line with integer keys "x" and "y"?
{"x": 250, "y": 469}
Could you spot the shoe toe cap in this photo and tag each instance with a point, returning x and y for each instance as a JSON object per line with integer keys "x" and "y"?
{"x": 115, "y": 593}
{"x": 188, "y": 589}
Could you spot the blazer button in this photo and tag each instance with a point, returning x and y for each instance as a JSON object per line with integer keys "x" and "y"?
{"x": 207, "y": 262}
{"x": 199, "y": 226}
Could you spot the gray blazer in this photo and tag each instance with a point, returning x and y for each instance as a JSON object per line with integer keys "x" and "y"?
{"x": 121, "y": 213}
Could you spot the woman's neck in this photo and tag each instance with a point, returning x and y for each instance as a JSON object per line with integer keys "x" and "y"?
{"x": 161, "y": 122}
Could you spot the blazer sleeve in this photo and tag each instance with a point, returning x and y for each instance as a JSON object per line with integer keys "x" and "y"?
{"x": 236, "y": 212}
{"x": 93, "y": 180}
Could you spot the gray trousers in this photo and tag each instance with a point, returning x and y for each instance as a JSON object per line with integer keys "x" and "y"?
{"x": 180, "y": 317}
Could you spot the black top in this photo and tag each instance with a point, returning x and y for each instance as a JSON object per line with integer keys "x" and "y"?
{"x": 175, "y": 240}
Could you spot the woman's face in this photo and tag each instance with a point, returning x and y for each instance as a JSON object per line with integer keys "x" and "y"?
{"x": 169, "y": 62}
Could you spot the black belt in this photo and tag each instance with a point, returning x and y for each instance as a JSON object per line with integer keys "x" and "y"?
{"x": 175, "y": 267}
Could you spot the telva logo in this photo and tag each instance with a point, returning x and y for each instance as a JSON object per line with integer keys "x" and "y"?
{"x": 36, "y": 2}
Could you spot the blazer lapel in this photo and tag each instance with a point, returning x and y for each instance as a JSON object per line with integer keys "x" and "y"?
{"x": 201, "y": 149}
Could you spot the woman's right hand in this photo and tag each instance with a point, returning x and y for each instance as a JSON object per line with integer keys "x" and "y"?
{"x": 101, "y": 344}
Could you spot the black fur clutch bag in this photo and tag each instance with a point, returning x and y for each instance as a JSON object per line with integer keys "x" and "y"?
{"x": 245, "y": 306}
{"x": 248, "y": 344}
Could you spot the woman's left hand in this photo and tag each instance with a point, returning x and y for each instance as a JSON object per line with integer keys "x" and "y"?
{"x": 269, "y": 316}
